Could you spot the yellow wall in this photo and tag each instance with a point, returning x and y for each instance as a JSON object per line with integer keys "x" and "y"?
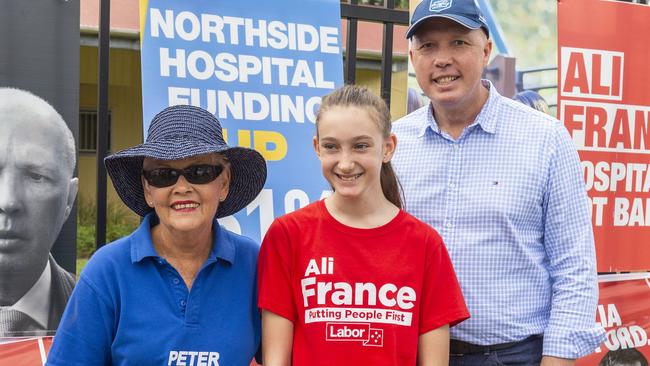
{"x": 124, "y": 104}
{"x": 372, "y": 80}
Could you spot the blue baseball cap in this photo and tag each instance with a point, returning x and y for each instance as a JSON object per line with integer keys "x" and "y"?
{"x": 465, "y": 12}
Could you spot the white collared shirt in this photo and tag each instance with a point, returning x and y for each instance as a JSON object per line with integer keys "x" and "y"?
{"x": 36, "y": 302}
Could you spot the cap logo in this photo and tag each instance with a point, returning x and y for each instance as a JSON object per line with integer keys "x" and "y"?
{"x": 439, "y": 5}
{"x": 478, "y": 10}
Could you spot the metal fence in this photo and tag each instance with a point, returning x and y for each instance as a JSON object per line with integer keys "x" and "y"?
{"x": 387, "y": 15}
{"x": 524, "y": 82}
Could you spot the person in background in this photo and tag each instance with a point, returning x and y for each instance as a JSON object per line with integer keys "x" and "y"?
{"x": 534, "y": 100}
{"x": 503, "y": 186}
{"x": 353, "y": 279}
{"x": 37, "y": 191}
{"x": 180, "y": 290}
{"x": 413, "y": 100}
{"x": 624, "y": 357}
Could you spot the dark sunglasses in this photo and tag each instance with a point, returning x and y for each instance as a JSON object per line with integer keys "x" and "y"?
{"x": 195, "y": 174}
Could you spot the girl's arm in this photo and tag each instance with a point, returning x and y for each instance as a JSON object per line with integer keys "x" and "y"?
{"x": 277, "y": 339}
{"x": 433, "y": 347}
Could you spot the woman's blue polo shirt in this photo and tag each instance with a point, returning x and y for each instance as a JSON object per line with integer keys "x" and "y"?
{"x": 131, "y": 307}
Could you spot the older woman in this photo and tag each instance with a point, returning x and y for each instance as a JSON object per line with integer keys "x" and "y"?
{"x": 180, "y": 290}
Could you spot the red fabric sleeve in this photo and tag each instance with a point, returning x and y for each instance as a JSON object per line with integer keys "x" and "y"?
{"x": 274, "y": 273}
{"x": 442, "y": 299}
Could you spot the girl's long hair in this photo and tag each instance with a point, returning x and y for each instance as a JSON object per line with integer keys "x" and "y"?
{"x": 352, "y": 95}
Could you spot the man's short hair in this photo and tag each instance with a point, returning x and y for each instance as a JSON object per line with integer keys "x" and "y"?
{"x": 624, "y": 357}
{"x": 16, "y": 100}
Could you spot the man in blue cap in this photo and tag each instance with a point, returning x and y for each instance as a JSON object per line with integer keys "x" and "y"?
{"x": 502, "y": 184}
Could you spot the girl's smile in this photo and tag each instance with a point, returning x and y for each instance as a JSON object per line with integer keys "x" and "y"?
{"x": 352, "y": 149}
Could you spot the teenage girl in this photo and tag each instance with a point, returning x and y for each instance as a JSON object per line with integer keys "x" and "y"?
{"x": 353, "y": 279}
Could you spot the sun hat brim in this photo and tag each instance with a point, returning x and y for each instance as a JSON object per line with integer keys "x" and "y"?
{"x": 247, "y": 171}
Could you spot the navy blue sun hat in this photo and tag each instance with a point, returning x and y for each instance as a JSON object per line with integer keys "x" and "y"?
{"x": 180, "y": 132}
{"x": 465, "y": 12}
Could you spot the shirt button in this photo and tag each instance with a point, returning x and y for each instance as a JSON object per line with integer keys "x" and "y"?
{"x": 456, "y": 146}
{"x": 448, "y": 225}
{"x": 182, "y": 303}
{"x": 452, "y": 184}
{"x": 176, "y": 281}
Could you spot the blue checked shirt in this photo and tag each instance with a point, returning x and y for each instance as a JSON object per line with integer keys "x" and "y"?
{"x": 509, "y": 200}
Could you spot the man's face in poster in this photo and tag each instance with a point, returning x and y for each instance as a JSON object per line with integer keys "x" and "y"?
{"x": 36, "y": 187}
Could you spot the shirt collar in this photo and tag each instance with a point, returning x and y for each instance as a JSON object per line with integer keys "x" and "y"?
{"x": 223, "y": 247}
{"x": 36, "y": 302}
{"x": 483, "y": 119}
{"x": 485, "y": 116}
{"x": 142, "y": 244}
{"x": 429, "y": 121}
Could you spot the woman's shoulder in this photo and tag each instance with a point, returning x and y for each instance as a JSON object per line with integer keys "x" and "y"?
{"x": 110, "y": 258}
{"x": 111, "y": 251}
{"x": 241, "y": 251}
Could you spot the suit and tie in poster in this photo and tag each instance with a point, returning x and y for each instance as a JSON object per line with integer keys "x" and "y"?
{"x": 39, "y": 93}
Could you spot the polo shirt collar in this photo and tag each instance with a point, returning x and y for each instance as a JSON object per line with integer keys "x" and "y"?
{"x": 484, "y": 119}
{"x": 142, "y": 244}
{"x": 223, "y": 248}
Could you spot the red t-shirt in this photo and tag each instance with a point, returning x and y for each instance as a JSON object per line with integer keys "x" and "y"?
{"x": 357, "y": 296}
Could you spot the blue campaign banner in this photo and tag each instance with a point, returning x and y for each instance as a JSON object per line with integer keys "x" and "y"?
{"x": 261, "y": 67}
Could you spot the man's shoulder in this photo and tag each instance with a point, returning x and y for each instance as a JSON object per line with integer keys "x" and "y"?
{"x": 61, "y": 276}
{"x": 60, "y": 290}
{"x": 412, "y": 122}
{"x": 518, "y": 115}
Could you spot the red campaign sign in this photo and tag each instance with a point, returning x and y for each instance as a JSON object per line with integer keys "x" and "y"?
{"x": 604, "y": 102}
{"x": 624, "y": 312}
{"x": 24, "y": 351}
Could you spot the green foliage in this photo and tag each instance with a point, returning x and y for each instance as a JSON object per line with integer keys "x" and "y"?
{"x": 85, "y": 240}
{"x": 530, "y": 30}
{"x": 119, "y": 223}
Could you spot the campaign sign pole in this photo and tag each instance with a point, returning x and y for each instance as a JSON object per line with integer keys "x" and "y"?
{"x": 261, "y": 67}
